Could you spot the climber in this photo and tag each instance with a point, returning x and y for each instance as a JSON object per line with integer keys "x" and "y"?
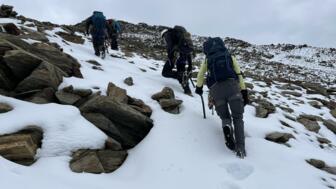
{"x": 180, "y": 50}
{"x": 96, "y": 26}
{"x": 113, "y": 30}
{"x": 227, "y": 91}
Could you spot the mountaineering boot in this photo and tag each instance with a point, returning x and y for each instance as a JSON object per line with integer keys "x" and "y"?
{"x": 241, "y": 153}
{"x": 228, "y": 134}
{"x": 187, "y": 90}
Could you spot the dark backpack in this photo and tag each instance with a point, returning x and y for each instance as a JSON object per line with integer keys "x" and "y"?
{"x": 183, "y": 38}
{"x": 99, "y": 24}
{"x": 220, "y": 64}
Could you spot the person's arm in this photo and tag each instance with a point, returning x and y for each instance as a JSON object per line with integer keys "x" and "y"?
{"x": 236, "y": 68}
{"x": 87, "y": 24}
{"x": 201, "y": 74}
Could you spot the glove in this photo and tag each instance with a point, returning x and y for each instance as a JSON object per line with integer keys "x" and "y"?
{"x": 245, "y": 97}
{"x": 199, "y": 90}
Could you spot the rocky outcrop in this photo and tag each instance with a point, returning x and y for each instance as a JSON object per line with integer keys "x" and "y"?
{"x": 140, "y": 106}
{"x": 11, "y": 29}
{"x": 97, "y": 161}
{"x": 132, "y": 125}
{"x": 21, "y": 147}
{"x": 279, "y": 137}
{"x": 309, "y": 124}
{"x": 4, "y": 108}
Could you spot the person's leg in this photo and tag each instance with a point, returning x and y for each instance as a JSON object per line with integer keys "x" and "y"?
{"x": 181, "y": 75}
{"x": 114, "y": 43}
{"x": 95, "y": 46}
{"x": 168, "y": 72}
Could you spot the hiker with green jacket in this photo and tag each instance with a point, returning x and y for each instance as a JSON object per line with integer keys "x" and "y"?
{"x": 227, "y": 90}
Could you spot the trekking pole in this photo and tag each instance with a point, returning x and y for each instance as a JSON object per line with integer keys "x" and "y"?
{"x": 204, "y": 115}
{"x": 192, "y": 82}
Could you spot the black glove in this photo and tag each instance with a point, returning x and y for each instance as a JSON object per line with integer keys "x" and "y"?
{"x": 245, "y": 97}
{"x": 199, "y": 90}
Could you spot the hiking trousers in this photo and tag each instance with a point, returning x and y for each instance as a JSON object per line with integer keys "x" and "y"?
{"x": 229, "y": 106}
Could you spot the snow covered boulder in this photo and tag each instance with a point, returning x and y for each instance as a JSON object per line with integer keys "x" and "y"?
{"x": 278, "y": 137}
{"x": 4, "y": 108}
{"x": 71, "y": 37}
{"x": 140, "y": 106}
{"x": 264, "y": 108}
{"x": 117, "y": 93}
{"x": 310, "y": 125}
{"x": 21, "y": 147}
{"x": 97, "y": 161}
{"x": 132, "y": 125}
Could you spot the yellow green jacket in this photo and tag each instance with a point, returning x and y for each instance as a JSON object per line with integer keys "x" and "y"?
{"x": 204, "y": 69}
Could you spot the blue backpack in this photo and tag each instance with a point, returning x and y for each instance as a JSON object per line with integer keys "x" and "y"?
{"x": 99, "y": 24}
{"x": 220, "y": 64}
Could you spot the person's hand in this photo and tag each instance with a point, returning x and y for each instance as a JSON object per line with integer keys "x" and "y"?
{"x": 199, "y": 90}
{"x": 245, "y": 97}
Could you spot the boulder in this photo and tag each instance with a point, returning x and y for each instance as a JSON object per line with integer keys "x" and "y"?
{"x": 71, "y": 37}
{"x": 129, "y": 81}
{"x": 140, "y": 106}
{"x": 132, "y": 125}
{"x": 6, "y": 81}
{"x": 104, "y": 124}
{"x": 293, "y": 93}
{"x": 289, "y": 87}
{"x": 47, "y": 95}
{"x": 117, "y": 93}
{"x": 264, "y": 108}
{"x": 309, "y": 124}
{"x": 44, "y": 76}
{"x": 67, "y": 98}
{"x": 11, "y": 29}
{"x": 171, "y": 105}
{"x": 279, "y": 137}
{"x": 330, "y": 124}
{"x": 319, "y": 164}
{"x": 323, "y": 140}
{"x": 311, "y": 117}
{"x": 21, "y": 63}
{"x": 82, "y": 92}
{"x": 21, "y": 147}
{"x": 34, "y": 35}
{"x": 7, "y": 11}
{"x": 331, "y": 170}
{"x": 94, "y": 62}
{"x": 315, "y": 104}
{"x": 4, "y": 108}
{"x": 97, "y": 161}
{"x": 166, "y": 93}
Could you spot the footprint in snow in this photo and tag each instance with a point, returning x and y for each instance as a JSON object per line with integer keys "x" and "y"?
{"x": 238, "y": 171}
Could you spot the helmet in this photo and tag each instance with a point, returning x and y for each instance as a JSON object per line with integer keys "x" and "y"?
{"x": 163, "y": 32}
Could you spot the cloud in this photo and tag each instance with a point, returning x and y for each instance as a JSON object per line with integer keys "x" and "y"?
{"x": 256, "y": 21}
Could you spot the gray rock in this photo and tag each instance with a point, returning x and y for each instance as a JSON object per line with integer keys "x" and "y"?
{"x": 293, "y": 93}
{"x": 97, "y": 161}
{"x": 286, "y": 109}
{"x": 21, "y": 63}
{"x": 5, "y": 81}
{"x": 315, "y": 104}
{"x": 67, "y": 98}
{"x": 289, "y": 87}
{"x": 21, "y": 147}
{"x": 319, "y": 164}
{"x": 311, "y": 117}
{"x": 171, "y": 105}
{"x": 4, "y": 108}
{"x": 309, "y": 124}
{"x": 331, "y": 170}
{"x": 279, "y": 137}
{"x": 117, "y": 93}
{"x": 71, "y": 37}
{"x": 166, "y": 93}
{"x": 261, "y": 112}
{"x": 46, "y": 75}
{"x": 330, "y": 124}
{"x": 333, "y": 113}
{"x": 94, "y": 62}
{"x": 104, "y": 124}
{"x": 38, "y": 36}
{"x": 47, "y": 95}
{"x": 82, "y": 92}
{"x": 129, "y": 81}
{"x": 132, "y": 125}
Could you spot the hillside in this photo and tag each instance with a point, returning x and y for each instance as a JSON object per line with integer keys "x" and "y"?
{"x": 66, "y": 114}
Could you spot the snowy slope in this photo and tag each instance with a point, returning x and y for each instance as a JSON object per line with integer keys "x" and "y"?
{"x": 181, "y": 151}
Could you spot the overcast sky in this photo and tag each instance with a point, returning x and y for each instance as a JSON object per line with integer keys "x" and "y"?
{"x": 257, "y": 21}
